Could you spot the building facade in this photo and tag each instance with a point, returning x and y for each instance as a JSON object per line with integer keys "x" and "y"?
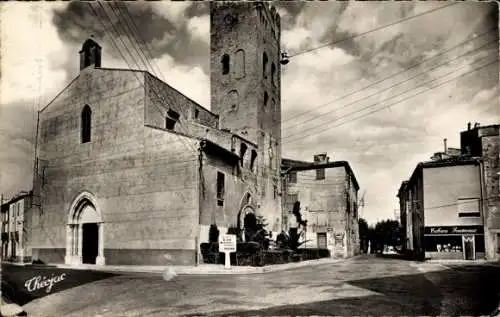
{"x": 15, "y": 224}
{"x": 443, "y": 210}
{"x": 483, "y": 142}
{"x": 130, "y": 171}
{"x": 327, "y": 193}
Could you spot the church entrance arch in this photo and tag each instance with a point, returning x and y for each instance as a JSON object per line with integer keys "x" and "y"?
{"x": 84, "y": 232}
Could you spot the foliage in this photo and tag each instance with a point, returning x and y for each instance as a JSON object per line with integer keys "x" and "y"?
{"x": 213, "y": 233}
{"x": 255, "y": 231}
{"x": 236, "y": 232}
{"x": 387, "y": 232}
{"x": 291, "y": 239}
{"x": 364, "y": 234}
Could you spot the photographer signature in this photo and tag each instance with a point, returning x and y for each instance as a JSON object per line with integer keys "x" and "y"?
{"x": 39, "y": 282}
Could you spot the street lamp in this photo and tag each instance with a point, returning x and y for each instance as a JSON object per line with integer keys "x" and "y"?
{"x": 285, "y": 59}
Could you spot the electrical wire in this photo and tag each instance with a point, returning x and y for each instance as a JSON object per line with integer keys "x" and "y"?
{"x": 373, "y": 30}
{"x": 391, "y": 76}
{"x": 385, "y": 107}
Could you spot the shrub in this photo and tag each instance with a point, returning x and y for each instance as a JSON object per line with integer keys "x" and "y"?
{"x": 213, "y": 233}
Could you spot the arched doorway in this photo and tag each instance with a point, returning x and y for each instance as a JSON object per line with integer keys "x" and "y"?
{"x": 84, "y": 232}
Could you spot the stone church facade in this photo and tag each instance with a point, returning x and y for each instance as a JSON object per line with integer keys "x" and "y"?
{"x": 130, "y": 171}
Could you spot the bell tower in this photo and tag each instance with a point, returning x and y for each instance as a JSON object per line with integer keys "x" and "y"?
{"x": 245, "y": 83}
{"x": 90, "y": 54}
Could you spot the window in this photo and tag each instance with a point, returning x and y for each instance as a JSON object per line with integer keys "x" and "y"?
{"x": 220, "y": 189}
{"x": 479, "y": 243}
{"x": 266, "y": 98}
{"x": 292, "y": 177}
{"x": 233, "y": 99}
{"x": 273, "y": 74}
{"x": 498, "y": 242}
{"x": 243, "y": 149}
{"x": 239, "y": 65}
{"x": 196, "y": 113}
{"x": 468, "y": 207}
{"x": 443, "y": 243}
{"x": 275, "y": 188}
{"x": 252, "y": 159}
{"x": 264, "y": 64}
{"x": 320, "y": 174}
{"x": 86, "y": 124}
{"x": 322, "y": 240}
{"x": 171, "y": 119}
{"x": 225, "y": 64}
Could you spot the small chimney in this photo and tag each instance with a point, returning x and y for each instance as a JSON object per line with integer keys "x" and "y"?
{"x": 320, "y": 158}
{"x": 445, "y": 147}
{"x": 468, "y": 126}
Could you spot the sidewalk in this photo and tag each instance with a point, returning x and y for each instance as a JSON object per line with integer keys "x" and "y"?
{"x": 464, "y": 262}
{"x": 202, "y": 269}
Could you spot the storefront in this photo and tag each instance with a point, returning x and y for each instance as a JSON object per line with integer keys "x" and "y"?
{"x": 454, "y": 242}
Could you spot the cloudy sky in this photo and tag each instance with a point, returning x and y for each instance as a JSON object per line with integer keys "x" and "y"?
{"x": 382, "y": 98}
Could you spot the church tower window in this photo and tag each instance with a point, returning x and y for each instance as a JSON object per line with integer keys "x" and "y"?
{"x": 233, "y": 99}
{"x": 266, "y": 98}
{"x": 243, "y": 149}
{"x": 252, "y": 159}
{"x": 225, "y": 64}
{"x": 264, "y": 64}
{"x": 239, "y": 65}
{"x": 86, "y": 123}
{"x": 273, "y": 74}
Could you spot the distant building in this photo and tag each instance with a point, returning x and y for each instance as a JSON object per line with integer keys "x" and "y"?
{"x": 15, "y": 224}
{"x": 327, "y": 192}
{"x": 450, "y": 205}
{"x": 483, "y": 142}
{"x": 446, "y": 195}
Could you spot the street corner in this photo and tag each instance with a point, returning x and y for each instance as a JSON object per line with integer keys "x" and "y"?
{"x": 22, "y": 284}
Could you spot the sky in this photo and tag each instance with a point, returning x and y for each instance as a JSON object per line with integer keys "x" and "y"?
{"x": 360, "y": 86}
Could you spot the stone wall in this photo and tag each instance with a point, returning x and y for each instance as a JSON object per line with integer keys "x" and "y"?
{"x": 144, "y": 179}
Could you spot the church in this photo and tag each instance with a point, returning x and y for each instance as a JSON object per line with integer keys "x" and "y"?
{"x": 130, "y": 171}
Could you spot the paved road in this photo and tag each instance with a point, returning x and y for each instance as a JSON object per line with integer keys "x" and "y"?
{"x": 363, "y": 286}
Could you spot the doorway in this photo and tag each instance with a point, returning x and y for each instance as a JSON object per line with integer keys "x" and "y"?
{"x": 90, "y": 243}
{"x": 469, "y": 250}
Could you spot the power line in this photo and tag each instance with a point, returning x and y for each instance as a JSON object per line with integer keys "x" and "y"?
{"x": 392, "y": 86}
{"x": 373, "y": 30}
{"x": 125, "y": 60}
{"x": 145, "y": 44}
{"x": 399, "y": 101}
{"x": 393, "y": 75}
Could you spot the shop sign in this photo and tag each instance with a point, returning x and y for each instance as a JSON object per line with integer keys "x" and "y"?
{"x": 458, "y": 230}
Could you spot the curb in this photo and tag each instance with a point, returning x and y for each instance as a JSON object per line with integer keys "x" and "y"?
{"x": 8, "y": 310}
{"x": 206, "y": 270}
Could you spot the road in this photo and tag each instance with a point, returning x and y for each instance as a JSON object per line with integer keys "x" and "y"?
{"x": 366, "y": 285}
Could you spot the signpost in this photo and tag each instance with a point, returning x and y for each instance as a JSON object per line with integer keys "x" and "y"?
{"x": 227, "y": 244}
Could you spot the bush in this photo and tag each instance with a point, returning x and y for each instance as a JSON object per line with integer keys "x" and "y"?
{"x": 213, "y": 233}
{"x": 313, "y": 253}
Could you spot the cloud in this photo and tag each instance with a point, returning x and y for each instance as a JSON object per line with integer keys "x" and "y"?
{"x": 120, "y": 29}
{"x": 191, "y": 81}
{"x": 325, "y": 103}
{"x": 29, "y": 54}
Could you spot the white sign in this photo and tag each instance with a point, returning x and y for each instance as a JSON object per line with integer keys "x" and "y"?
{"x": 39, "y": 282}
{"x": 227, "y": 244}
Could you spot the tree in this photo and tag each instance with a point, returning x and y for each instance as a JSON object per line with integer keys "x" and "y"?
{"x": 386, "y": 233}
{"x": 363, "y": 234}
